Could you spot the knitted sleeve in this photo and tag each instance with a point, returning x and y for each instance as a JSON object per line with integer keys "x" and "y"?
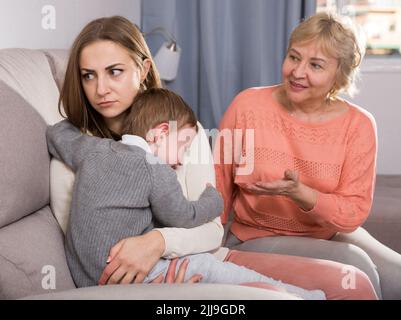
{"x": 349, "y": 205}
{"x": 67, "y": 144}
{"x": 198, "y": 169}
{"x": 172, "y": 209}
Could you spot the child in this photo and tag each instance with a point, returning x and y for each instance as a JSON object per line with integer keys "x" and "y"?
{"x": 125, "y": 189}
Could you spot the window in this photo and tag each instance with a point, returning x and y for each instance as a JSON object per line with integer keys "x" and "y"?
{"x": 379, "y": 19}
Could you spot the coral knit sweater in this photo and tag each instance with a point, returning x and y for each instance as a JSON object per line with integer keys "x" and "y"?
{"x": 337, "y": 158}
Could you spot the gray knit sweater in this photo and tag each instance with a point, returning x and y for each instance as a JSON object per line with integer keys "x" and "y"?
{"x": 118, "y": 194}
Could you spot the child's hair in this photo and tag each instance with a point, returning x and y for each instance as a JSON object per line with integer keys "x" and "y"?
{"x": 155, "y": 106}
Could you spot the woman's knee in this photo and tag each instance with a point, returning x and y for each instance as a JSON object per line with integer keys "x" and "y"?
{"x": 356, "y": 285}
{"x": 345, "y": 253}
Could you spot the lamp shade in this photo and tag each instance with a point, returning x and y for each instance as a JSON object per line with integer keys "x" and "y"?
{"x": 167, "y": 60}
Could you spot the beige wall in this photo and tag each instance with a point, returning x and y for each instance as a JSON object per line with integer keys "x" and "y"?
{"x": 380, "y": 94}
{"x": 21, "y": 20}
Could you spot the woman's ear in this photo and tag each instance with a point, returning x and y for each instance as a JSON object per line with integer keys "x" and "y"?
{"x": 147, "y": 63}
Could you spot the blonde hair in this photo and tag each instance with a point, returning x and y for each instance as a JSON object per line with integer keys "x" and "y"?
{"x": 337, "y": 38}
{"x": 77, "y": 108}
{"x": 155, "y": 106}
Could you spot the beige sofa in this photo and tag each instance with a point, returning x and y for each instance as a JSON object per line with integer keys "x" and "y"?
{"x": 32, "y": 257}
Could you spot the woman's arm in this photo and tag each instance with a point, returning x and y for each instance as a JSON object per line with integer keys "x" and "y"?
{"x": 347, "y": 207}
{"x": 181, "y": 241}
{"x": 130, "y": 258}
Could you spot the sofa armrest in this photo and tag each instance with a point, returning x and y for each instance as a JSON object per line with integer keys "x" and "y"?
{"x": 166, "y": 292}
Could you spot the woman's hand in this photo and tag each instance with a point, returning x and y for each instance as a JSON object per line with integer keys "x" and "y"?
{"x": 131, "y": 259}
{"x": 290, "y": 186}
{"x": 170, "y": 275}
{"x": 284, "y": 187}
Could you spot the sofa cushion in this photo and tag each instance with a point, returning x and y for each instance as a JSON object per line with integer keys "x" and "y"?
{"x": 28, "y": 72}
{"x": 24, "y": 159}
{"x": 58, "y": 59}
{"x": 183, "y": 291}
{"x": 31, "y": 252}
{"x": 61, "y": 185}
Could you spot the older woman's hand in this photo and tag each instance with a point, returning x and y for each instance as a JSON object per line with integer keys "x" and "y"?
{"x": 284, "y": 187}
{"x": 131, "y": 259}
{"x": 290, "y": 186}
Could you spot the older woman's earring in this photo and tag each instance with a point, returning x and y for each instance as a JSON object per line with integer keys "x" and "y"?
{"x": 332, "y": 94}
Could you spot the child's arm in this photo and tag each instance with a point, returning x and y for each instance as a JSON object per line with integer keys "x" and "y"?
{"x": 196, "y": 171}
{"x": 68, "y": 144}
{"x": 172, "y": 209}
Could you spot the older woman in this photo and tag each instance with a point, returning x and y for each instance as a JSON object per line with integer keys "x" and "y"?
{"x": 313, "y": 156}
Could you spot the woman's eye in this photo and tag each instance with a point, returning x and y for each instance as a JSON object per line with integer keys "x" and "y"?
{"x": 87, "y": 76}
{"x": 294, "y": 58}
{"x": 316, "y": 66}
{"x": 116, "y": 72}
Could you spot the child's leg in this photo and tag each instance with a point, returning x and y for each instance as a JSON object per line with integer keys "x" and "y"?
{"x": 161, "y": 267}
{"x": 215, "y": 271}
{"x": 337, "y": 280}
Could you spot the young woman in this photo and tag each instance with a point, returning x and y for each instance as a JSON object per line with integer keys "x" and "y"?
{"x": 109, "y": 64}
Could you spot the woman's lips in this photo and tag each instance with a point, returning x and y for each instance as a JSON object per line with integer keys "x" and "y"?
{"x": 295, "y": 86}
{"x": 106, "y": 104}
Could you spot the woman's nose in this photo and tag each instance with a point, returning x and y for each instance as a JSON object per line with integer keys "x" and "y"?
{"x": 299, "y": 70}
{"x": 102, "y": 86}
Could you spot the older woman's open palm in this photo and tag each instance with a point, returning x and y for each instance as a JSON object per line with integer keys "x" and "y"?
{"x": 289, "y": 186}
{"x": 286, "y": 186}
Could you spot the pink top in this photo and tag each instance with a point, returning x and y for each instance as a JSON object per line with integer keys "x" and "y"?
{"x": 337, "y": 158}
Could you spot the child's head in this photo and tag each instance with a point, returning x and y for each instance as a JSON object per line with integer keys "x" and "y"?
{"x": 165, "y": 121}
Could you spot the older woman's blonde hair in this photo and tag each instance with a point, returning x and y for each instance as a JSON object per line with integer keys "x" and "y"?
{"x": 76, "y": 106}
{"x": 337, "y": 38}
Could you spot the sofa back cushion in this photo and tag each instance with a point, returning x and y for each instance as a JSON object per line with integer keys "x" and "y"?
{"x": 28, "y": 72}
{"x": 24, "y": 159}
{"x": 58, "y": 59}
